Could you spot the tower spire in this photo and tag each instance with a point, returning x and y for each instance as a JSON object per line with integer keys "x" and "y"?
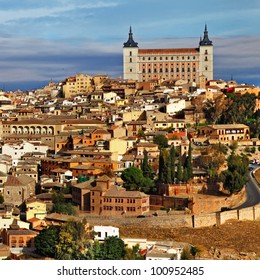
{"x": 206, "y": 41}
{"x": 130, "y": 42}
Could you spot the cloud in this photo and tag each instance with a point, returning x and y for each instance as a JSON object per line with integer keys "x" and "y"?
{"x": 14, "y": 15}
{"x": 37, "y": 60}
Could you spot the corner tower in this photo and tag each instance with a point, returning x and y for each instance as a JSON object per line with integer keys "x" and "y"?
{"x": 206, "y": 56}
{"x": 130, "y": 58}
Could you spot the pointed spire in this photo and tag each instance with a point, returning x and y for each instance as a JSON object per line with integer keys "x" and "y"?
{"x": 206, "y": 41}
{"x": 130, "y": 42}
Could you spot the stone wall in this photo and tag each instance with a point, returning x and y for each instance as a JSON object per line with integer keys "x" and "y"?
{"x": 228, "y": 215}
{"x": 178, "y": 219}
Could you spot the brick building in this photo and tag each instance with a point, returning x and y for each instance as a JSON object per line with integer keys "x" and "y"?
{"x": 103, "y": 197}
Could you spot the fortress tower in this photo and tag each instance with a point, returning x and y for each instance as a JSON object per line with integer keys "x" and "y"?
{"x": 171, "y": 63}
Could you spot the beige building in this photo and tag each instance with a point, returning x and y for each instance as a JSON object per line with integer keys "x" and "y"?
{"x": 176, "y": 124}
{"x": 80, "y": 83}
{"x": 35, "y": 209}
{"x": 224, "y": 133}
{"x": 118, "y": 148}
{"x": 173, "y": 63}
{"x": 18, "y": 189}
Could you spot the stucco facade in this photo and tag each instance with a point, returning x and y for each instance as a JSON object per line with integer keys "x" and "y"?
{"x": 172, "y": 63}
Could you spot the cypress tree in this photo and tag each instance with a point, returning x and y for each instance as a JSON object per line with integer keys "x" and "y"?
{"x": 161, "y": 166}
{"x": 172, "y": 158}
{"x": 179, "y": 170}
{"x": 145, "y": 166}
{"x": 189, "y": 163}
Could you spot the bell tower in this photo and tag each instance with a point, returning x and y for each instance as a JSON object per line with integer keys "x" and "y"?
{"x": 206, "y": 56}
{"x": 130, "y": 57}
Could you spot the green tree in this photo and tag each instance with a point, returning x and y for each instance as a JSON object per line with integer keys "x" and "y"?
{"x": 173, "y": 159}
{"x": 161, "y": 141}
{"x": 195, "y": 250}
{"x": 73, "y": 241}
{"x": 133, "y": 253}
{"x": 1, "y": 198}
{"x": 134, "y": 180}
{"x": 235, "y": 177}
{"x": 185, "y": 175}
{"x": 46, "y": 241}
{"x": 146, "y": 167}
{"x": 189, "y": 162}
{"x": 179, "y": 170}
{"x": 113, "y": 248}
{"x": 94, "y": 251}
{"x": 60, "y": 206}
{"x": 140, "y": 133}
{"x": 185, "y": 254}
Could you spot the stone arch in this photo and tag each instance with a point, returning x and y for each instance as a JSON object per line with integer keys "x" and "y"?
{"x": 38, "y": 130}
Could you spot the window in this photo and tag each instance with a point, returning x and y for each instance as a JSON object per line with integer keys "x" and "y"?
{"x": 160, "y": 70}
{"x": 130, "y": 53}
{"x": 131, "y": 70}
{"x": 206, "y": 58}
{"x": 206, "y": 52}
{"x": 130, "y": 59}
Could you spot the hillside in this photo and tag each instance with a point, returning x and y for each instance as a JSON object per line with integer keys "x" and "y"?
{"x": 232, "y": 240}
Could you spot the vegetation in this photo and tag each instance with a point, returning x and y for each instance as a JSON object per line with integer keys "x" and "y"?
{"x": 134, "y": 180}
{"x": 47, "y": 240}
{"x": 234, "y": 178}
{"x": 60, "y": 206}
{"x": 146, "y": 168}
{"x": 167, "y": 166}
{"x": 161, "y": 141}
{"x": 71, "y": 242}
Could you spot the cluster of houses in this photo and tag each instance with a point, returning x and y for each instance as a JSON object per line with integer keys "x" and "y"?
{"x": 83, "y": 132}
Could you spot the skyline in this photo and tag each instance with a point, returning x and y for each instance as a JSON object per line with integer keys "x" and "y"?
{"x": 52, "y": 40}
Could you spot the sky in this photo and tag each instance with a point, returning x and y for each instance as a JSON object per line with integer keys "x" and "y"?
{"x": 49, "y": 40}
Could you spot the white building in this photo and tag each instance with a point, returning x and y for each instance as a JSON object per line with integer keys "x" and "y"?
{"x": 110, "y": 97}
{"x": 174, "y": 106}
{"x": 17, "y": 150}
{"x": 102, "y": 232}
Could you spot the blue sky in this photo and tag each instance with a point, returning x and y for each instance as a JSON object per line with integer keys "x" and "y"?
{"x": 54, "y": 39}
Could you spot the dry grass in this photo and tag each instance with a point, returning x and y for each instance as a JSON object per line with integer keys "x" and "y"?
{"x": 231, "y": 238}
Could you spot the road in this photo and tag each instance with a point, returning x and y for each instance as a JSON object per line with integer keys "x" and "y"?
{"x": 252, "y": 191}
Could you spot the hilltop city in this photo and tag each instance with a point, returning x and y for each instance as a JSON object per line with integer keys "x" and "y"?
{"x": 86, "y": 159}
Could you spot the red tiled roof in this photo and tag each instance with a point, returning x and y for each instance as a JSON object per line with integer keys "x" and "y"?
{"x": 169, "y": 51}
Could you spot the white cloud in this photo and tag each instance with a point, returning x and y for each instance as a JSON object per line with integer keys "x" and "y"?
{"x": 33, "y": 13}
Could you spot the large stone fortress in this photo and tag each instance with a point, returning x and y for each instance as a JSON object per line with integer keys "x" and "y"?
{"x": 174, "y": 63}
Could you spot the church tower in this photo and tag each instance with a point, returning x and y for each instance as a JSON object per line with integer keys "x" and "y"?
{"x": 206, "y": 56}
{"x": 130, "y": 55}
